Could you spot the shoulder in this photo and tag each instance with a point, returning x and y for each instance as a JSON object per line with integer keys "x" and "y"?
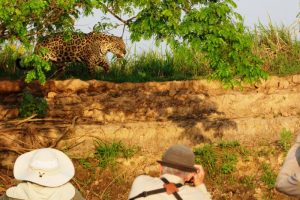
{"x": 143, "y": 179}
{"x": 144, "y": 183}
{"x": 190, "y": 192}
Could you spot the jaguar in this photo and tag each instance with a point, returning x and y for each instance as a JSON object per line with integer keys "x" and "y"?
{"x": 90, "y": 49}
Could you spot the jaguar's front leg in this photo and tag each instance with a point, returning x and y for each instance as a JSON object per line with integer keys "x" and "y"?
{"x": 103, "y": 63}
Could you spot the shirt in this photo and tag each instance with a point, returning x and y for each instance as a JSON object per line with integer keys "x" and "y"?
{"x": 27, "y": 190}
{"x": 146, "y": 183}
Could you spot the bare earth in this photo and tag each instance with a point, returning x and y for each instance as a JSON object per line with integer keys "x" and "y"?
{"x": 152, "y": 116}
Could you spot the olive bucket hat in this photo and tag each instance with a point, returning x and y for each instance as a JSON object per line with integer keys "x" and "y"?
{"x": 47, "y": 167}
{"x": 179, "y": 157}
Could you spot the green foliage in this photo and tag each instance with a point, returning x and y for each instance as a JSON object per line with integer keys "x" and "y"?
{"x": 39, "y": 65}
{"x": 104, "y": 25}
{"x": 206, "y": 156}
{"x": 228, "y": 144}
{"x": 8, "y": 54}
{"x": 26, "y": 21}
{"x": 268, "y": 176}
{"x": 278, "y": 47}
{"x": 225, "y": 165}
{"x": 218, "y": 159}
{"x": 154, "y": 66}
{"x": 214, "y": 29}
{"x": 248, "y": 182}
{"x": 31, "y": 105}
{"x": 209, "y": 27}
{"x": 108, "y": 152}
{"x": 229, "y": 161}
{"x": 85, "y": 163}
{"x": 285, "y": 139}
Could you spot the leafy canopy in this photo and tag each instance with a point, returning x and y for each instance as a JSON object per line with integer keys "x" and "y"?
{"x": 27, "y": 20}
{"x": 211, "y": 27}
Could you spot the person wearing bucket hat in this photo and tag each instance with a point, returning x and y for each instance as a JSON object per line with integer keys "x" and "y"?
{"x": 177, "y": 168}
{"x": 45, "y": 174}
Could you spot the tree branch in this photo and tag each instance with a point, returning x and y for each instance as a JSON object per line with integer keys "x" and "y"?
{"x": 126, "y": 22}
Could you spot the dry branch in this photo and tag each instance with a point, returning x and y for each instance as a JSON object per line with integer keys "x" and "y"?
{"x": 71, "y": 128}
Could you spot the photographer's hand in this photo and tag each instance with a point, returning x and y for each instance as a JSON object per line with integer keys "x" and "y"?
{"x": 199, "y": 176}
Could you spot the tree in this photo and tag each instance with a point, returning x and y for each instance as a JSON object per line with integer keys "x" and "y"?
{"x": 27, "y": 20}
{"x": 212, "y": 27}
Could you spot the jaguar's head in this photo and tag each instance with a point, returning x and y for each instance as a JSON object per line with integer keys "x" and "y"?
{"x": 117, "y": 47}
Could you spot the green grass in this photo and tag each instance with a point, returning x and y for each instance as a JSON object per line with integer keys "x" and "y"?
{"x": 219, "y": 159}
{"x": 207, "y": 157}
{"x": 277, "y": 46}
{"x": 229, "y": 161}
{"x": 228, "y": 144}
{"x": 285, "y": 139}
{"x": 268, "y": 176}
{"x": 153, "y": 66}
{"x": 85, "y": 163}
{"x": 231, "y": 166}
{"x": 279, "y": 49}
{"x": 248, "y": 181}
{"x": 108, "y": 152}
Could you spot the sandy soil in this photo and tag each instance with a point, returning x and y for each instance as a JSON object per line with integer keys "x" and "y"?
{"x": 151, "y": 116}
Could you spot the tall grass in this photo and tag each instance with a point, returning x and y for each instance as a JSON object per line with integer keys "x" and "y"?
{"x": 182, "y": 64}
{"x": 9, "y": 52}
{"x": 278, "y": 47}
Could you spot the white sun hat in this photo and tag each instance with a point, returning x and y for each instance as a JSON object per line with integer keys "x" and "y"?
{"x": 47, "y": 167}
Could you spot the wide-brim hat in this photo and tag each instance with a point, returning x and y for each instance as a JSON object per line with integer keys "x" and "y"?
{"x": 179, "y": 157}
{"x": 47, "y": 167}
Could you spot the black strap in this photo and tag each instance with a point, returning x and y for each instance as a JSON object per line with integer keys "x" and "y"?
{"x": 177, "y": 196}
{"x": 157, "y": 191}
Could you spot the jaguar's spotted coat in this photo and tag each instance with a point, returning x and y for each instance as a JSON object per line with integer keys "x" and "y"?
{"x": 90, "y": 49}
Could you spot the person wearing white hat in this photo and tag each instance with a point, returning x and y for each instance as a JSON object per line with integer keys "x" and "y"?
{"x": 45, "y": 174}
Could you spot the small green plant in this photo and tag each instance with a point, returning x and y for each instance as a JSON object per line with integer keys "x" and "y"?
{"x": 40, "y": 67}
{"x": 229, "y": 161}
{"x": 31, "y": 105}
{"x": 248, "y": 182}
{"x": 108, "y": 152}
{"x": 285, "y": 139}
{"x": 207, "y": 157}
{"x": 268, "y": 176}
{"x": 85, "y": 163}
{"x": 229, "y": 144}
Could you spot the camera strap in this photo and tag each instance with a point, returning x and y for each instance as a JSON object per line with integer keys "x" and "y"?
{"x": 169, "y": 188}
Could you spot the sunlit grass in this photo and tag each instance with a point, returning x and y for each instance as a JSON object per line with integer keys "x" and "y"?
{"x": 277, "y": 46}
{"x": 279, "y": 49}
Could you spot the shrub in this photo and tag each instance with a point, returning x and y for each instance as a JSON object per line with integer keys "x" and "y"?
{"x": 31, "y": 105}
{"x": 108, "y": 152}
{"x": 278, "y": 47}
{"x": 229, "y": 161}
{"x": 206, "y": 156}
{"x": 268, "y": 176}
{"x": 285, "y": 139}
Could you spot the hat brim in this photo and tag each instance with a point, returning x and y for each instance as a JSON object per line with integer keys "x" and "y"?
{"x": 65, "y": 172}
{"x": 178, "y": 166}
